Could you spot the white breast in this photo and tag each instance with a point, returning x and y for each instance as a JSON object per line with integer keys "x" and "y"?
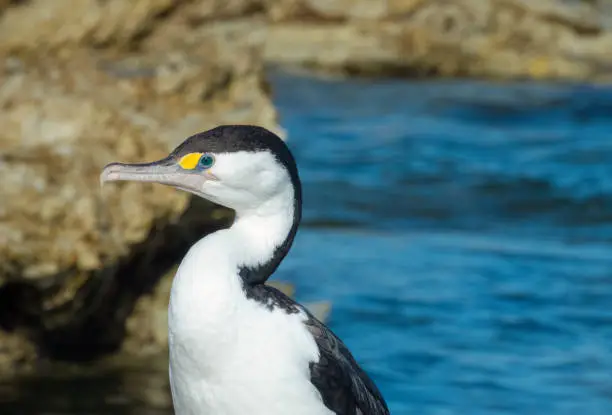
{"x": 230, "y": 355}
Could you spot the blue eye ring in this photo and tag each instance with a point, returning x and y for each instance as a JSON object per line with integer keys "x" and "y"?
{"x": 206, "y": 161}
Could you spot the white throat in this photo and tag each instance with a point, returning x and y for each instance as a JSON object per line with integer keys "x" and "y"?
{"x": 259, "y": 232}
{"x": 208, "y": 289}
{"x": 221, "y": 342}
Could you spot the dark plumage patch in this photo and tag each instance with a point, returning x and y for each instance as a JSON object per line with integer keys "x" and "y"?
{"x": 271, "y": 298}
{"x": 344, "y": 387}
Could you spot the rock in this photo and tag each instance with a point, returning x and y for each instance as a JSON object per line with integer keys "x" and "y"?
{"x": 82, "y": 85}
{"x": 60, "y": 23}
{"x": 320, "y": 309}
{"x": 286, "y": 288}
{"x": 548, "y": 39}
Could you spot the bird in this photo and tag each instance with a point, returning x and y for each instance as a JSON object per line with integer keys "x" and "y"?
{"x": 237, "y": 345}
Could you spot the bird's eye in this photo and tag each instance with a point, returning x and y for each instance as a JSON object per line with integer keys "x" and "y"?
{"x": 206, "y": 162}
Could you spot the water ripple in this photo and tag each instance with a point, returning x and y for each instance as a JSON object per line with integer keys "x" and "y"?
{"x": 468, "y": 252}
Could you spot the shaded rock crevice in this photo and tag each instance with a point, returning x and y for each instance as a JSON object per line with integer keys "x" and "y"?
{"x": 95, "y": 323}
{"x": 83, "y": 84}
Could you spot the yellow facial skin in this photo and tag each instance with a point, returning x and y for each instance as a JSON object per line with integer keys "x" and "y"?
{"x": 190, "y": 161}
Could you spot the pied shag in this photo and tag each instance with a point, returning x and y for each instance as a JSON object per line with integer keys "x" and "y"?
{"x": 238, "y": 346}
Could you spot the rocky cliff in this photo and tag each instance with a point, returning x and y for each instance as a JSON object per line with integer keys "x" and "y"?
{"x": 89, "y": 82}
{"x": 84, "y": 272}
{"x": 549, "y": 39}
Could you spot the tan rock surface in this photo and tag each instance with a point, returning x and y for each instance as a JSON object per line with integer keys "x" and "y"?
{"x": 74, "y": 259}
{"x": 551, "y": 39}
{"x": 58, "y": 23}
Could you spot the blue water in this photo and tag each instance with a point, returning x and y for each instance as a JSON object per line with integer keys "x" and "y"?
{"x": 462, "y": 231}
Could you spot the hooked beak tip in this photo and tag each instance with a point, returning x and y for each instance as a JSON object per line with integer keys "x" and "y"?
{"x": 110, "y": 173}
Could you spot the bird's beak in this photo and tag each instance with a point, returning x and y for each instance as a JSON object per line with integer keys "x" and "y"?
{"x": 165, "y": 171}
{"x": 161, "y": 171}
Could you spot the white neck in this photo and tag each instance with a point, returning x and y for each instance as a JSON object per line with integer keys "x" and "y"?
{"x": 259, "y": 232}
{"x": 221, "y": 341}
{"x": 207, "y": 286}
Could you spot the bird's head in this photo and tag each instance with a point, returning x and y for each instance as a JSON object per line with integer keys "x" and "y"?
{"x": 242, "y": 167}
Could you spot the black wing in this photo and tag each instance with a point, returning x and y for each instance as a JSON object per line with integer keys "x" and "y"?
{"x": 345, "y": 388}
